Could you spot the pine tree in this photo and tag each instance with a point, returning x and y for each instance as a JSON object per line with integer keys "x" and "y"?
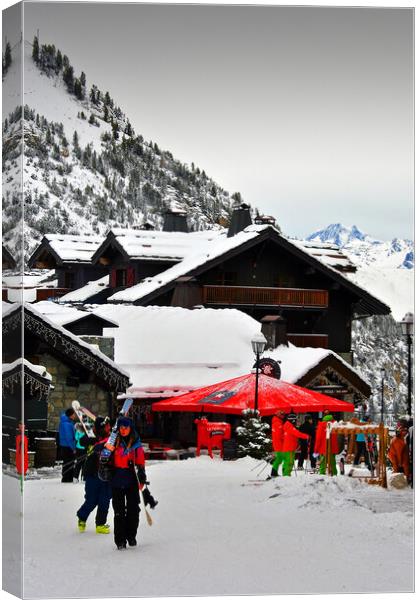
{"x": 58, "y": 61}
{"x": 77, "y": 87}
{"x": 106, "y": 114}
{"x": 252, "y": 436}
{"x": 115, "y": 130}
{"x": 237, "y": 198}
{"x": 92, "y": 94}
{"x": 7, "y": 59}
{"x": 69, "y": 78}
{"x": 35, "y": 49}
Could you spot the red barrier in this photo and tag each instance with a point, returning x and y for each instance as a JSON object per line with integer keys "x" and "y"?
{"x": 211, "y": 435}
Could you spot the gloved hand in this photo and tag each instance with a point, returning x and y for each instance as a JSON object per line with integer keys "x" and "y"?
{"x": 141, "y": 474}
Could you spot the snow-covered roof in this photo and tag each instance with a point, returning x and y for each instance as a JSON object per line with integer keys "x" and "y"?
{"x": 171, "y": 350}
{"x": 82, "y": 347}
{"x": 160, "y": 245}
{"x": 87, "y": 291}
{"x": 62, "y": 314}
{"x": 38, "y": 370}
{"x": 72, "y": 248}
{"x": 296, "y": 362}
{"x": 220, "y": 245}
{"x": 22, "y": 287}
{"x": 329, "y": 254}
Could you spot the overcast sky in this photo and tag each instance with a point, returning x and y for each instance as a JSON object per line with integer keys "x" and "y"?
{"x": 308, "y": 112}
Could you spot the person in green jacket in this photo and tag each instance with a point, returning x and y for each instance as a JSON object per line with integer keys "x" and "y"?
{"x": 321, "y": 445}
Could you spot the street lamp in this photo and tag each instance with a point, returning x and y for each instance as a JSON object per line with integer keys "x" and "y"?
{"x": 258, "y": 344}
{"x": 407, "y": 325}
{"x": 383, "y": 373}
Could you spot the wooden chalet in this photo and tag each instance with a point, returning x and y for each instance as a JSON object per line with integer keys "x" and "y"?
{"x": 71, "y": 257}
{"x": 78, "y": 370}
{"x": 22, "y": 379}
{"x": 7, "y": 260}
{"x": 131, "y": 255}
{"x": 264, "y": 274}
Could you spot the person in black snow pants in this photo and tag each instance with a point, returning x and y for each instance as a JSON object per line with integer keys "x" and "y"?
{"x": 97, "y": 492}
{"x": 127, "y": 455}
{"x": 306, "y": 446}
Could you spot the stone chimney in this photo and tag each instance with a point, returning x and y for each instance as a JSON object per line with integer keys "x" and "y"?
{"x": 241, "y": 218}
{"x": 175, "y": 221}
{"x": 274, "y": 327}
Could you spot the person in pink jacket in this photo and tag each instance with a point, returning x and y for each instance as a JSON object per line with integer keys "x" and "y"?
{"x": 285, "y": 441}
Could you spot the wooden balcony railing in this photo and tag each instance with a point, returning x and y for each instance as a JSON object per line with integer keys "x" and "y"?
{"x": 266, "y": 296}
{"x": 45, "y": 293}
{"x": 308, "y": 340}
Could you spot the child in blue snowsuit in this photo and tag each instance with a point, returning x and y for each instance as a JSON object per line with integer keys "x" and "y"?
{"x": 97, "y": 492}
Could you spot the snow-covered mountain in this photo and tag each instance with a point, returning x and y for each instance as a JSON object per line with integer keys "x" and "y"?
{"x": 365, "y": 250}
{"x": 385, "y": 268}
{"x": 84, "y": 167}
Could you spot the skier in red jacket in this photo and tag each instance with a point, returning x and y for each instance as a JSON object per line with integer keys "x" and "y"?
{"x": 285, "y": 441}
{"x": 126, "y": 483}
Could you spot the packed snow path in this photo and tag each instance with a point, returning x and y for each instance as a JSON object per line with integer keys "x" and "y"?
{"x": 213, "y": 535}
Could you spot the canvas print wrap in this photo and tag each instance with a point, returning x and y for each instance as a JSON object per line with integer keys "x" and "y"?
{"x": 208, "y": 307}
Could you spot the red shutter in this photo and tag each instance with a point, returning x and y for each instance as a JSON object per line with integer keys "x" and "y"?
{"x": 130, "y": 276}
{"x": 113, "y": 278}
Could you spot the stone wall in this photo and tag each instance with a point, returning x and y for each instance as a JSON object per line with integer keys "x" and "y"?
{"x": 105, "y": 344}
{"x": 89, "y": 394}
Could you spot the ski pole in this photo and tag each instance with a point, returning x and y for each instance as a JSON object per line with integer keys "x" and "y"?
{"x": 264, "y": 468}
{"x": 146, "y": 512}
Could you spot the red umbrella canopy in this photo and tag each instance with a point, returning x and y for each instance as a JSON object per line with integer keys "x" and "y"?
{"x": 235, "y": 395}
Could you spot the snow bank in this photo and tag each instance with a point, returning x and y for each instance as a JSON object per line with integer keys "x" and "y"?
{"x": 215, "y": 533}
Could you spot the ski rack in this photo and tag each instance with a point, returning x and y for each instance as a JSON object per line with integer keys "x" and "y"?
{"x": 351, "y": 429}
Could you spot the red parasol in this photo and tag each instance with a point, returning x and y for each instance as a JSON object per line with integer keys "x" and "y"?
{"x": 235, "y": 395}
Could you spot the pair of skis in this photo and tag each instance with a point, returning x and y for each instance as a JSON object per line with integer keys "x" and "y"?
{"x": 80, "y": 412}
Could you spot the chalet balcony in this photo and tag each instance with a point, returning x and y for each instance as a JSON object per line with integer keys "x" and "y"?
{"x": 308, "y": 340}
{"x": 264, "y": 296}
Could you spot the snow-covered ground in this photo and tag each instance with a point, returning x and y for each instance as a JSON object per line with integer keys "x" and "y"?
{"x": 215, "y": 533}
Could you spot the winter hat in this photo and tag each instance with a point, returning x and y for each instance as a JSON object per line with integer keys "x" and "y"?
{"x": 125, "y": 422}
{"x": 328, "y": 418}
{"x": 100, "y": 422}
{"x": 292, "y": 418}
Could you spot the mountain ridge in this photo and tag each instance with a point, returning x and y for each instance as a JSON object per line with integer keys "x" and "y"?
{"x": 85, "y": 169}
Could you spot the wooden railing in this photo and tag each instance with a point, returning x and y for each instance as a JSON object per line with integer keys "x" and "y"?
{"x": 266, "y": 296}
{"x": 308, "y": 340}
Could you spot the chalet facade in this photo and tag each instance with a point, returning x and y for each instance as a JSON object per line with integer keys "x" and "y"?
{"x": 263, "y": 274}
{"x": 78, "y": 370}
{"x": 71, "y": 257}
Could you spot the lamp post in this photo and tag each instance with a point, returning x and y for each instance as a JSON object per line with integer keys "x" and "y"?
{"x": 258, "y": 344}
{"x": 407, "y": 325}
{"x": 383, "y": 372}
